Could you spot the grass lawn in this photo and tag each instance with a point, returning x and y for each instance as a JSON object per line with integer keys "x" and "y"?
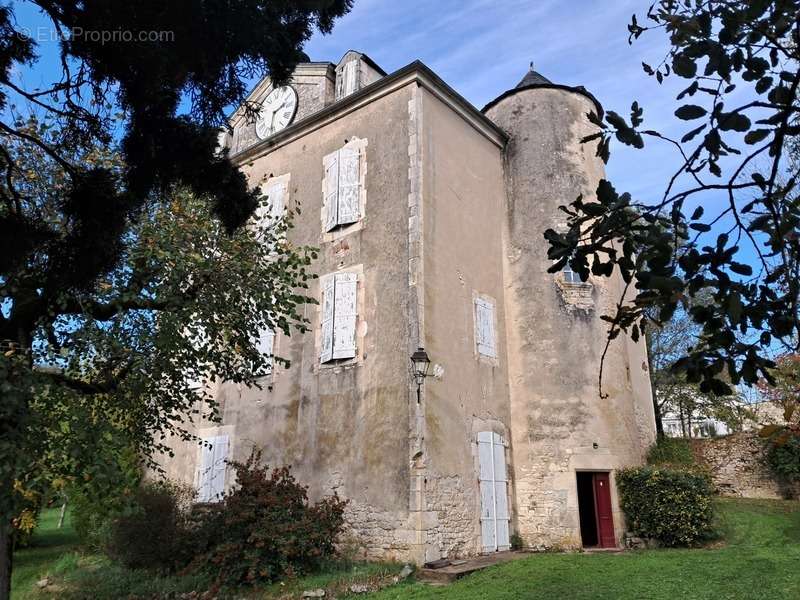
{"x": 759, "y": 558}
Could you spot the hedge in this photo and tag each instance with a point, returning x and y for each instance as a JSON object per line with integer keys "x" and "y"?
{"x": 673, "y": 506}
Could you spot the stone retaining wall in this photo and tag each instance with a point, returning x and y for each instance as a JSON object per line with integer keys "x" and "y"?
{"x": 738, "y": 466}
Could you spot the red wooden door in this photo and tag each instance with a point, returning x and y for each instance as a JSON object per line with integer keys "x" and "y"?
{"x": 602, "y": 502}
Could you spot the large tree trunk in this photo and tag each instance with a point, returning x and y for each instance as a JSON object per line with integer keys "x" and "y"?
{"x": 659, "y": 422}
{"x": 6, "y": 554}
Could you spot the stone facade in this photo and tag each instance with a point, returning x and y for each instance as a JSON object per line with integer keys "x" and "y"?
{"x": 737, "y": 464}
{"x": 448, "y": 254}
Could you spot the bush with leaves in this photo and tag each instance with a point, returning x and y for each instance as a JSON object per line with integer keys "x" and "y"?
{"x": 673, "y": 506}
{"x": 266, "y": 528}
{"x": 671, "y": 451}
{"x": 155, "y": 530}
{"x": 783, "y": 454}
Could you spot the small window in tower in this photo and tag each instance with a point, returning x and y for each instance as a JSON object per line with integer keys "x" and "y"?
{"x": 570, "y": 276}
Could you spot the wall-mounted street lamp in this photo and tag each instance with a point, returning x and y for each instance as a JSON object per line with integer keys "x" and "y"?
{"x": 420, "y": 363}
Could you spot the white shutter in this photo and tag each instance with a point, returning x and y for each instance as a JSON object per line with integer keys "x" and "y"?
{"x": 484, "y": 327}
{"x": 340, "y": 83}
{"x": 277, "y": 200}
{"x": 488, "y": 514}
{"x": 500, "y": 492}
{"x": 344, "y": 315}
{"x": 349, "y": 186}
{"x": 494, "y": 492}
{"x": 217, "y": 484}
{"x": 328, "y": 285}
{"x": 331, "y": 190}
{"x": 350, "y": 73}
{"x": 266, "y": 344}
{"x": 205, "y": 470}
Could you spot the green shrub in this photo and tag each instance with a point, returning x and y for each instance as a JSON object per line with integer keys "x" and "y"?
{"x": 266, "y": 529}
{"x": 155, "y": 531}
{"x": 783, "y": 454}
{"x": 671, "y": 451}
{"x": 673, "y": 506}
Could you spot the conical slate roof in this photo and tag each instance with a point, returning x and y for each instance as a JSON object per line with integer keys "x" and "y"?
{"x": 533, "y": 78}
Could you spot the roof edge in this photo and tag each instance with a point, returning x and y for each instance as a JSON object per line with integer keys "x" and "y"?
{"x": 367, "y": 60}
{"x": 554, "y": 86}
{"x": 415, "y": 71}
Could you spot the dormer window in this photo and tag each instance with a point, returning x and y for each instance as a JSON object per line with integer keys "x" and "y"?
{"x": 348, "y": 78}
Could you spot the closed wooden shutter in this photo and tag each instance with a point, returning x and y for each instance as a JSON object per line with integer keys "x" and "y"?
{"x": 266, "y": 344}
{"x": 350, "y": 77}
{"x": 488, "y": 513}
{"x": 205, "y": 470}
{"x": 349, "y": 210}
{"x": 331, "y": 190}
{"x": 217, "y": 484}
{"x": 277, "y": 200}
{"x": 484, "y": 328}
{"x": 493, "y": 478}
{"x": 344, "y": 315}
{"x": 328, "y": 290}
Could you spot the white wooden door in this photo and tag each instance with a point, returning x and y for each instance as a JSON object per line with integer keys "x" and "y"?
{"x": 494, "y": 492}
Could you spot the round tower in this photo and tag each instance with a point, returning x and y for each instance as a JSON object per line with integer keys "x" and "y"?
{"x": 571, "y": 440}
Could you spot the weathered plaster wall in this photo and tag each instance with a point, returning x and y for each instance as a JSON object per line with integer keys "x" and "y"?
{"x": 463, "y": 216}
{"x": 343, "y": 427}
{"x": 555, "y": 337}
{"x": 738, "y": 468}
{"x": 314, "y": 83}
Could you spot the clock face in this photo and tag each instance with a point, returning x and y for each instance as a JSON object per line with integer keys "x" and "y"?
{"x": 277, "y": 111}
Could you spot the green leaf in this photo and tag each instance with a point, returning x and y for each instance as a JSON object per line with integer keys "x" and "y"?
{"x": 741, "y": 268}
{"x": 755, "y": 136}
{"x": 763, "y": 85}
{"x": 733, "y": 121}
{"x": 687, "y": 112}
{"x": 689, "y": 136}
{"x": 684, "y": 66}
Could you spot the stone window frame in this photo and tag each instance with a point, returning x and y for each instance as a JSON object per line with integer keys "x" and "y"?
{"x": 344, "y": 230}
{"x": 361, "y": 324}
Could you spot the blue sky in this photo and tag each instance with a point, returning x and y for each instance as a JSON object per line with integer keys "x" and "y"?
{"x": 483, "y": 47}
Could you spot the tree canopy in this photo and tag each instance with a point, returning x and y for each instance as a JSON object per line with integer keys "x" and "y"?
{"x": 728, "y": 221}
{"x": 121, "y": 248}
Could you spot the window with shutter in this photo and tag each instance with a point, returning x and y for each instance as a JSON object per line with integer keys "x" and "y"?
{"x": 217, "y": 485}
{"x": 339, "y": 315}
{"x": 331, "y": 190}
{"x": 266, "y": 345}
{"x": 213, "y": 462}
{"x": 266, "y": 215}
{"x": 342, "y": 187}
{"x": 348, "y": 80}
{"x": 349, "y": 181}
{"x": 344, "y": 315}
{"x": 484, "y": 328}
{"x": 328, "y": 285}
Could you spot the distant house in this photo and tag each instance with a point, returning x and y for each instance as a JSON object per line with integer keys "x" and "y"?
{"x": 695, "y": 426}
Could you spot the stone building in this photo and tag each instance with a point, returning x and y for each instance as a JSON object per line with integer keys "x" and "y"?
{"x": 429, "y": 215}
